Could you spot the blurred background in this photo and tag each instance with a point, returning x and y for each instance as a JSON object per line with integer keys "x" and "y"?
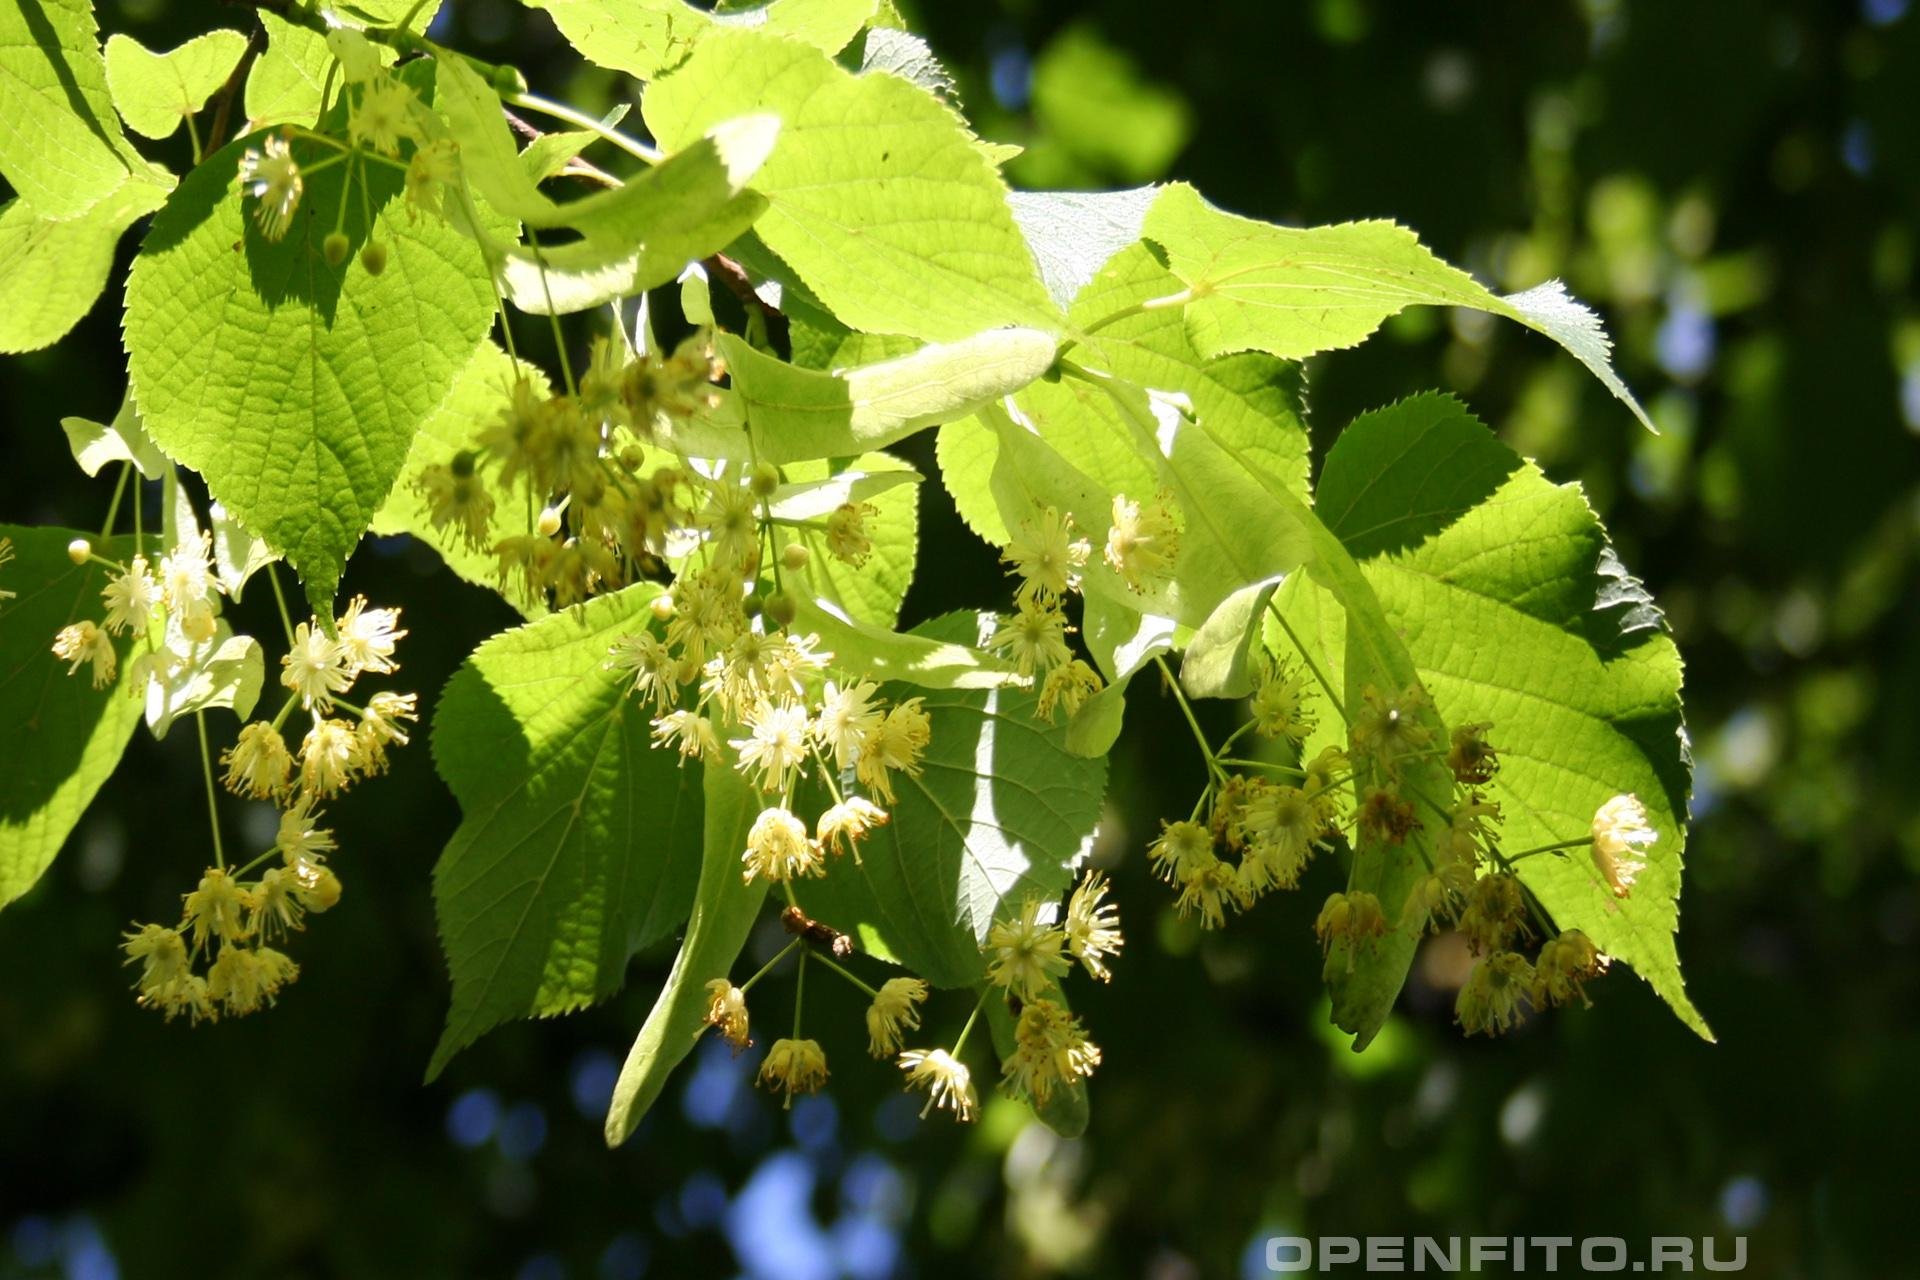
{"x": 1734, "y": 183}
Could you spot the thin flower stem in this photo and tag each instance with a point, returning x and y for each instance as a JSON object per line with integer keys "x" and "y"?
{"x": 1186, "y": 709}
{"x": 213, "y": 807}
{"x": 827, "y": 775}
{"x": 280, "y": 716}
{"x": 280, "y": 598}
{"x": 1179, "y": 299}
{"x": 139, "y": 521}
{"x": 113, "y": 506}
{"x": 767, "y": 968}
{"x": 553, "y": 318}
{"x": 193, "y": 136}
{"x": 822, "y": 957}
{"x": 1548, "y": 848}
{"x": 1326, "y": 685}
{"x": 973, "y": 1017}
{"x": 1261, "y": 764}
{"x": 800, "y": 988}
{"x": 241, "y": 871}
{"x": 580, "y": 119}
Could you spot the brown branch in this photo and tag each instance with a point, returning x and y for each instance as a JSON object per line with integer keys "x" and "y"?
{"x": 801, "y": 925}
{"x": 223, "y": 102}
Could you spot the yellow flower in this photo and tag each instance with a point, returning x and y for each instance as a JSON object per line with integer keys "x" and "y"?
{"x": 383, "y": 116}
{"x": 731, "y": 519}
{"x": 1069, "y": 687}
{"x": 1489, "y": 1002}
{"x": 1279, "y": 824}
{"x": 1471, "y": 757}
{"x": 456, "y": 495}
{"x": 946, "y": 1079}
{"x": 244, "y": 978}
{"x": 1322, "y": 786}
{"x": 1047, "y": 557}
{"x": 271, "y": 177}
{"x": 1209, "y": 887}
{"x": 1385, "y": 818}
{"x": 1388, "y": 726}
{"x": 1496, "y": 912}
{"x": 275, "y": 907}
{"x": 1093, "y": 926}
{"x": 689, "y": 733}
{"x": 891, "y": 1012}
{"x": 1025, "y": 954}
{"x": 167, "y": 981}
{"x": 842, "y": 827}
{"x": 847, "y": 532}
{"x": 794, "y": 1066}
{"x": 131, "y": 599}
{"x": 432, "y": 168}
{"x": 847, "y": 716}
{"x": 652, "y": 666}
{"x": 381, "y": 726}
{"x": 1143, "y": 542}
{"x": 1182, "y": 847}
{"x": 367, "y": 637}
{"x": 776, "y": 744}
{"x": 1354, "y": 918}
{"x": 1051, "y": 1050}
{"x": 187, "y": 588}
{"x": 329, "y": 757}
{"x": 1561, "y": 970}
{"x": 1035, "y": 638}
{"x": 298, "y": 838}
{"x": 896, "y": 743}
{"x": 727, "y": 1012}
{"x": 778, "y": 849}
{"x": 258, "y": 763}
{"x": 1620, "y": 832}
{"x": 83, "y": 643}
{"x": 1279, "y": 703}
{"x": 215, "y": 909}
{"x": 315, "y": 668}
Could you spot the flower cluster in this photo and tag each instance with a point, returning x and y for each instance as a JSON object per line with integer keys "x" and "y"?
{"x": 1254, "y": 833}
{"x": 229, "y": 920}
{"x": 1026, "y": 955}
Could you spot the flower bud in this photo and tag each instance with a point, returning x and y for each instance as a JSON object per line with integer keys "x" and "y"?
{"x": 334, "y": 249}
{"x": 764, "y": 479}
{"x": 662, "y": 606}
{"x": 549, "y": 523}
{"x": 781, "y": 609}
{"x": 795, "y": 555}
{"x": 374, "y": 257}
{"x": 78, "y": 550}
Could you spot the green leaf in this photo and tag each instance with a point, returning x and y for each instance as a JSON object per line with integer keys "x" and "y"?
{"x": 95, "y": 445}
{"x": 645, "y": 38}
{"x": 1075, "y": 233}
{"x": 1097, "y": 115}
{"x": 1001, "y": 811}
{"x": 237, "y": 553}
{"x": 724, "y": 910}
{"x": 478, "y": 395}
{"x": 1292, "y": 292}
{"x": 799, "y": 414}
{"x": 51, "y": 272}
{"x": 156, "y": 91}
{"x": 644, "y": 233}
{"x": 1447, "y": 465}
{"x": 906, "y": 55}
{"x": 225, "y": 671}
{"x": 1514, "y": 614}
{"x": 878, "y": 198}
{"x": 872, "y": 592}
{"x": 287, "y": 80}
{"x": 62, "y": 149}
{"x": 578, "y": 843}
{"x": 882, "y": 653}
{"x": 1215, "y": 662}
{"x": 293, "y": 386}
{"x": 64, "y": 737}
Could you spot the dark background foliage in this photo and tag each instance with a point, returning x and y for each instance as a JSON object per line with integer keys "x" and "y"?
{"x": 1735, "y": 185}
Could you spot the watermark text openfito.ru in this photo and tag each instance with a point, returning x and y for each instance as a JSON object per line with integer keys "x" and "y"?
{"x": 1504, "y": 1253}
